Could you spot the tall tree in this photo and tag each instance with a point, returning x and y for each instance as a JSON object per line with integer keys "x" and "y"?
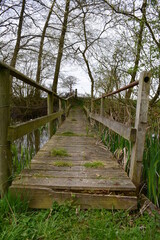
{"x": 138, "y": 48}
{"x": 40, "y": 53}
{"x": 61, "y": 46}
{"x": 19, "y": 32}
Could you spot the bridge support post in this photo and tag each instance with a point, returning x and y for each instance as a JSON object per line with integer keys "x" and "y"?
{"x": 50, "y": 110}
{"x": 140, "y": 125}
{"x": 5, "y": 152}
{"x": 102, "y": 107}
{"x": 60, "y": 108}
{"x": 101, "y": 113}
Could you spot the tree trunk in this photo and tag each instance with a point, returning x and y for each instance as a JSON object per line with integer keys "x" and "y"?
{"x": 17, "y": 46}
{"x": 38, "y": 73}
{"x": 139, "y": 47}
{"x": 61, "y": 45}
{"x": 91, "y": 78}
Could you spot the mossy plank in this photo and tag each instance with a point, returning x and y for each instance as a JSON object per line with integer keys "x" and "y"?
{"x": 76, "y": 183}
{"x": 96, "y": 173}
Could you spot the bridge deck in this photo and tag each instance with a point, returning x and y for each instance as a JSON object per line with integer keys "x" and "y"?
{"x": 68, "y": 177}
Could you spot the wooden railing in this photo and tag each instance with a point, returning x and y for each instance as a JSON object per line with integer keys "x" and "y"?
{"x": 135, "y": 135}
{"x": 10, "y": 133}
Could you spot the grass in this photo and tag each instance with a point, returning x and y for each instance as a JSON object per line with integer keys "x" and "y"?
{"x": 67, "y": 222}
{"x": 21, "y": 159}
{"x": 60, "y": 152}
{"x": 70, "y": 134}
{"x": 97, "y": 164}
{"x": 73, "y": 120}
{"x": 151, "y": 167}
{"x": 63, "y": 164}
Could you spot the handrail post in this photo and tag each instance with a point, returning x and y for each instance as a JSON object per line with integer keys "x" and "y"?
{"x": 66, "y": 110}
{"x": 60, "y": 109}
{"x": 5, "y": 152}
{"x": 50, "y": 110}
{"x": 92, "y": 105}
{"x": 140, "y": 125}
{"x": 101, "y": 112}
{"x": 102, "y": 107}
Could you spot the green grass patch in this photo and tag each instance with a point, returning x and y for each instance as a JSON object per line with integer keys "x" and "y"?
{"x": 94, "y": 164}
{"x": 63, "y": 164}
{"x": 69, "y": 134}
{"x": 60, "y": 152}
{"x": 73, "y": 120}
{"x": 68, "y": 222}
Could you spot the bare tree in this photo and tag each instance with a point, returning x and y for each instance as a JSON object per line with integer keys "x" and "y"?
{"x": 61, "y": 46}
{"x": 68, "y": 83}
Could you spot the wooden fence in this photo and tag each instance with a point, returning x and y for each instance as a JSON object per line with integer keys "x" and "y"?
{"x": 136, "y": 135}
{"x": 10, "y": 133}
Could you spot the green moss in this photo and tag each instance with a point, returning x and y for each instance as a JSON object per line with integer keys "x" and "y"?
{"x": 73, "y": 120}
{"x": 69, "y": 134}
{"x": 94, "y": 165}
{"x": 63, "y": 164}
{"x": 59, "y": 152}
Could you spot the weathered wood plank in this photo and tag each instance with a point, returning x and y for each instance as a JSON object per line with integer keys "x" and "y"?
{"x": 77, "y": 184}
{"x": 94, "y": 173}
{"x": 19, "y": 130}
{"x": 44, "y": 198}
{"x": 45, "y": 166}
{"x": 126, "y": 132}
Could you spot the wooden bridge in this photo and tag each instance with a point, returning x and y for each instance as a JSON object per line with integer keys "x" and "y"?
{"x": 72, "y": 165}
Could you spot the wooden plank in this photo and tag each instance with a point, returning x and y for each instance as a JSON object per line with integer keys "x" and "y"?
{"x": 97, "y": 174}
{"x": 44, "y": 198}
{"x": 124, "y": 131}
{"x": 77, "y": 184}
{"x": 45, "y": 166}
{"x": 72, "y": 162}
{"x": 19, "y": 130}
{"x": 22, "y": 77}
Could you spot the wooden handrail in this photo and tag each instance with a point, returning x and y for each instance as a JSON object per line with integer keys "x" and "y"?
{"x": 25, "y": 79}
{"x": 135, "y": 83}
{"x": 19, "y": 130}
{"x": 10, "y": 133}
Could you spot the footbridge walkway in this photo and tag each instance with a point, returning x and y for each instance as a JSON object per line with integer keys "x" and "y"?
{"x": 72, "y": 165}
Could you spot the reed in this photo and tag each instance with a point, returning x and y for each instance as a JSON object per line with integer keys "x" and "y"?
{"x": 21, "y": 159}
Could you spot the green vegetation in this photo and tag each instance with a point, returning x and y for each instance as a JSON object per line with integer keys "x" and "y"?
{"x": 63, "y": 164}
{"x": 73, "y": 120}
{"x": 67, "y": 222}
{"x": 151, "y": 170}
{"x": 96, "y": 164}
{"x": 114, "y": 141}
{"x": 68, "y": 133}
{"x": 60, "y": 152}
{"x": 22, "y": 159}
